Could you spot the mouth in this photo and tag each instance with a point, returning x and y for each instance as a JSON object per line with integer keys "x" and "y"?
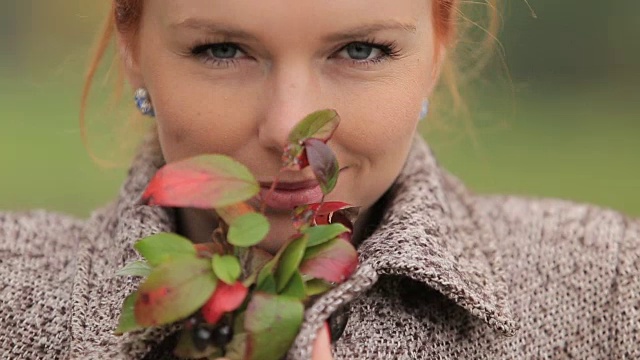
{"x": 286, "y": 196}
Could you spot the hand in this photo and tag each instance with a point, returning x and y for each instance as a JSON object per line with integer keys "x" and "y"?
{"x": 322, "y": 346}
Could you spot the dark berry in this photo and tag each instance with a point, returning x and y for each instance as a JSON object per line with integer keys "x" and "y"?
{"x": 222, "y": 335}
{"x": 201, "y": 337}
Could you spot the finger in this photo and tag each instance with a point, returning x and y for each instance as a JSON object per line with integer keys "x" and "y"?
{"x": 322, "y": 345}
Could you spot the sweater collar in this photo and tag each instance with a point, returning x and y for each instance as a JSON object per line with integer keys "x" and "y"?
{"x": 420, "y": 236}
{"x": 416, "y": 237}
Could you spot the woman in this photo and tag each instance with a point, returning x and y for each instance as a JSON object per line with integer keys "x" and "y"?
{"x": 443, "y": 273}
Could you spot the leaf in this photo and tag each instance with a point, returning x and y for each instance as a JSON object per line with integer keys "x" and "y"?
{"x": 295, "y": 288}
{"x": 226, "y": 298}
{"x": 164, "y": 247}
{"x": 329, "y": 207}
{"x": 227, "y": 268}
{"x": 316, "y": 287}
{"x": 136, "y": 268}
{"x": 294, "y": 157}
{"x": 290, "y": 261}
{"x": 204, "y": 182}
{"x": 323, "y": 163}
{"x": 236, "y": 349}
{"x": 323, "y": 233}
{"x": 127, "y": 321}
{"x": 324, "y": 213}
{"x": 266, "y": 273}
{"x": 248, "y": 230}
{"x": 333, "y": 261}
{"x": 268, "y": 285}
{"x": 173, "y": 291}
{"x": 271, "y": 323}
{"x": 319, "y": 125}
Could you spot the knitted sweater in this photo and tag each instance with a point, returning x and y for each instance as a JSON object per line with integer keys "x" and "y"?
{"x": 446, "y": 274}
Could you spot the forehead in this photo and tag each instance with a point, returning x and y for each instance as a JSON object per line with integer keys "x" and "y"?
{"x": 302, "y": 16}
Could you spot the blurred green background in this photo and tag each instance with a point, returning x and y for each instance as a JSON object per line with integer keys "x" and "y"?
{"x": 565, "y": 124}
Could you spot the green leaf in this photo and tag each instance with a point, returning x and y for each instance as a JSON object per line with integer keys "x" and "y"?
{"x": 295, "y": 287}
{"x": 266, "y": 273}
{"x": 227, "y": 268}
{"x": 164, "y": 247}
{"x": 268, "y": 316}
{"x": 127, "y": 321}
{"x": 174, "y": 290}
{"x": 136, "y": 268}
{"x": 320, "y": 125}
{"x": 290, "y": 260}
{"x": 203, "y": 182}
{"x": 248, "y": 230}
{"x": 316, "y": 287}
{"x": 324, "y": 164}
{"x": 323, "y": 233}
{"x": 236, "y": 349}
{"x": 268, "y": 285}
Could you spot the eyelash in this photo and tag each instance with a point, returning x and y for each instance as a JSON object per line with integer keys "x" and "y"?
{"x": 389, "y": 51}
{"x": 199, "y": 51}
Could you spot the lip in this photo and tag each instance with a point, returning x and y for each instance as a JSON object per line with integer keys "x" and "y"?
{"x": 288, "y": 195}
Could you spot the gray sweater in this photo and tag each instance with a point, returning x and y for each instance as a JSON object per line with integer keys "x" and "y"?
{"x": 446, "y": 274}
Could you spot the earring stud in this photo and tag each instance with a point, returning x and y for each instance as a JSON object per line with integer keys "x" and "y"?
{"x": 424, "y": 111}
{"x": 143, "y": 102}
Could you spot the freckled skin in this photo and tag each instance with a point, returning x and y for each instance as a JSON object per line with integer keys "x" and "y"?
{"x": 287, "y": 69}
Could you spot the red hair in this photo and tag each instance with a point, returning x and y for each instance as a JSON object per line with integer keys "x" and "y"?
{"x": 125, "y": 16}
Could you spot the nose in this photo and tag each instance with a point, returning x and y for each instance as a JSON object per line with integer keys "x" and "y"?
{"x": 293, "y": 91}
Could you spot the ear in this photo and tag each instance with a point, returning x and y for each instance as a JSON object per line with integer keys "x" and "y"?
{"x": 129, "y": 59}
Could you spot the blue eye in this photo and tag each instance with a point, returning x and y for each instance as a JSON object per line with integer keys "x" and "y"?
{"x": 222, "y": 51}
{"x": 368, "y": 52}
{"x": 218, "y": 54}
{"x": 360, "y": 51}
{"x": 219, "y": 51}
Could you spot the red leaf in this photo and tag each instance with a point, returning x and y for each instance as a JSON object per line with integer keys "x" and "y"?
{"x": 226, "y": 298}
{"x": 323, "y": 163}
{"x": 173, "y": 291}
{"x": 326, "y": 213}
{"x": 333, "y": 261}
{"x": 294, "y": 157}
{"x": 204, "y": 182}
{"x": 328, "y": 207}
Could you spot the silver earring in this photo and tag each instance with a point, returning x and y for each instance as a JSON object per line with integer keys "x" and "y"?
{"x": 143, "y": 102}
{"x": 424, "y": 111}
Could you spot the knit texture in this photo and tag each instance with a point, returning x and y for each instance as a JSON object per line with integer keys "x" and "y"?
{"x": 446, "y": 274}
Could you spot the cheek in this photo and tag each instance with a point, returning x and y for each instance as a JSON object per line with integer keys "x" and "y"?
{"x": 195, "y": 115}
{"x": 378, "y": 129}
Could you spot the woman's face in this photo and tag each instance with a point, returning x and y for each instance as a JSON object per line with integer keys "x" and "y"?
{"x": 234, "y": 77}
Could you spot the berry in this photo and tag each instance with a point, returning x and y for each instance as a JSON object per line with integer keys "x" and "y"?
{"x": 201, "y": 337}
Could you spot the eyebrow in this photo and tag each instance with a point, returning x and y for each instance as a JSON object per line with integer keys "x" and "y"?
{"x": 213, "y": 28}
{"x": 235, "y": 33}
{"x": 364, "y": 30}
